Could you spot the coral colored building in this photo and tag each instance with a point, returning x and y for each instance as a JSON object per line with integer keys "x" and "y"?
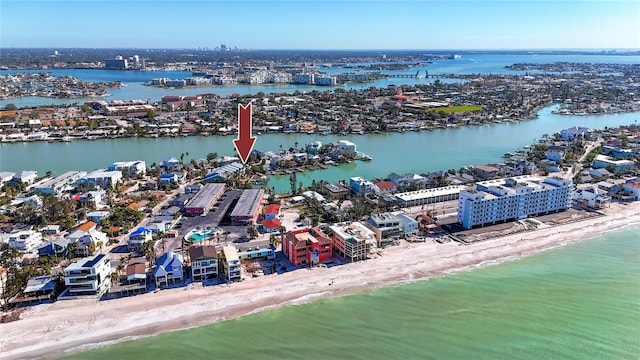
{"x": 307, "y": 246}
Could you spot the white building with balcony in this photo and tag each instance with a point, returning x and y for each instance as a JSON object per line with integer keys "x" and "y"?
{"x": 511, "y": 199}
{"x": 26, "y": 241}
{"x": 129, "y": 168}
{"x": 232, "y": 266}
{"x": 90, "y": 275}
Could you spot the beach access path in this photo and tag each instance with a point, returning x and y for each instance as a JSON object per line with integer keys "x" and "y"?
{"x": 73, "y": 325}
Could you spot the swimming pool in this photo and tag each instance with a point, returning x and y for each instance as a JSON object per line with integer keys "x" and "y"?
{"x": 198, "y": 235}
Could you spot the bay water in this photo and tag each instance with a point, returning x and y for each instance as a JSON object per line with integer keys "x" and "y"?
{"x": 419, "y": 152}
{"x": 580, "y": 301}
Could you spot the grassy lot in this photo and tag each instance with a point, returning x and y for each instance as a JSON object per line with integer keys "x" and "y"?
{"x": 457, "y": 109}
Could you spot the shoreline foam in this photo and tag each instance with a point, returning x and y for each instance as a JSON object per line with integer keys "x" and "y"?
{"x": 70, "y": 326}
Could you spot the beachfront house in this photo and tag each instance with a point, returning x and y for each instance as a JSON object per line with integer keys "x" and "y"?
{"x": 91, "y": 275}
{"x": 592, "y": 197}
{"x": 389, "y": 227}
{"x": 231, "y": 264}
{"x": 633, "y": 188}
{"x": 204, "y": 262}
{"x": 138, "y": 237}
{"x": 39, "y": 289}
{"x": 256, "y": 250}
{"x": 307, "y": 246}
{"x": 169, "y": 269}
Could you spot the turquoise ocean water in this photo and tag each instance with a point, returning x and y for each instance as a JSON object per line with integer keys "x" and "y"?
{"x": 581, "y": 301}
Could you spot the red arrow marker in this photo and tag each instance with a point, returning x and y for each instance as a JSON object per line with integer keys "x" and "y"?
{"x": 244, "y": 142}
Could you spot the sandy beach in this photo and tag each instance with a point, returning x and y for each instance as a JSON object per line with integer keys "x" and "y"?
{"x": 72, "y": 325}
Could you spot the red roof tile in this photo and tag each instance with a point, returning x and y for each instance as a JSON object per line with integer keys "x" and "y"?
{"x": 271, "y": 223}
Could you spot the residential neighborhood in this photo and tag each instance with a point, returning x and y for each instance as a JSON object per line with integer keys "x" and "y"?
{"x": 125, "y": 230}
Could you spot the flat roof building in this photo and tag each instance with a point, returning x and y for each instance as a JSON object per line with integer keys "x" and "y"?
{"x": 511, "y": 199}
{"x": 60, "y": 183}
{"x": 354, "y": 241}
{"x": 205, "y": 199}
{"x": 429, "y": 196}
{"x": 248, "y": 207}
{"x": 102, "y": 178}
{"x": 91, "y": 275}
{"x": 231, "y": 264}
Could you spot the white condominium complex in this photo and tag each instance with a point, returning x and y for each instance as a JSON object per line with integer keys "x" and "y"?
{"x": 513, "y": 198}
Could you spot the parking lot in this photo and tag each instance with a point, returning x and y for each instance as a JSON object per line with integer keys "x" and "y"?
{"x": 217, "y": 217}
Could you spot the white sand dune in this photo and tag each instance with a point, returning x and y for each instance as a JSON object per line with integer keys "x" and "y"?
{"x": 72, "y": 325}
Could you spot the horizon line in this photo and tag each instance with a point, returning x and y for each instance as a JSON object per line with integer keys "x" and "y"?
{"x": 323, "y": 49}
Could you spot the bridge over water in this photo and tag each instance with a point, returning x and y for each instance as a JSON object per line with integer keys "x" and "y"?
{"x": 418, "y": 75}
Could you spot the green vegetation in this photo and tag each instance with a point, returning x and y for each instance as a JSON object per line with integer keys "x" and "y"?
{"x": 457, "y": 109}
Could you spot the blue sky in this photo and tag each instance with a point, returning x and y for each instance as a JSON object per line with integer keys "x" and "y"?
{"x": 419, "y": 24}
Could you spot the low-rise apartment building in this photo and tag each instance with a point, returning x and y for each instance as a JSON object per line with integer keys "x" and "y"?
{"x": 353, "y": 240}
{"x": 60, "y": 183}
{"x": 606, "y": 162}
{"x": 307, "y": 246}
{"x": 248, "y": 207}
{"x": 102, "y": 178}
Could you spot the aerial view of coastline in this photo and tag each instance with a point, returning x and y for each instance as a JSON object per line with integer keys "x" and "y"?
{"x": 319, "y": 179}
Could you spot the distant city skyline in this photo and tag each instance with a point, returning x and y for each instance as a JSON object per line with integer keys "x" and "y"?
{"x": 336, "y": 25}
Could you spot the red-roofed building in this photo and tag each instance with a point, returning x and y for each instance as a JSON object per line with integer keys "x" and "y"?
{"x": 89, "y": 225}
{"x": 271, "y": 225}
{"x": 427, "y": 224}
{"x": 308, "y": 246}
{"x": 271, "y": 211}
{"x": 486, "y": 172}
{"x": 384, "y": 187}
